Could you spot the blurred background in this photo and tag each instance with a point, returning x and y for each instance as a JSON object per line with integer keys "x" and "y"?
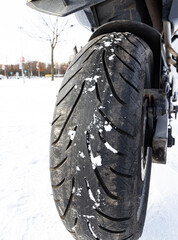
{"x": 26, "y": 37}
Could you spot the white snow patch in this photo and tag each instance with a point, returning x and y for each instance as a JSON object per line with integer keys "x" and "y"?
{"x": 107, "y": 128}
{"x": 95, "y": 119}
{"x": 88, "y": 216}
{"x": 111, "y": 57}
{"x": 72, "y": 133}
{"x": 107, "y": 44}
{"x": 73, "y": 189}
{"x": 98, "y": 191}
{"x": 91, "y": 230}
{"x": 118, "y": 40}
{"x": 98, "y": 195}
{"x": 73, "y": 228}
{"x": 78, "y": 193}
{"x": 96, "y": 161}
{"x": 77, "y": 168}
{"x": 96, "y": 78}
{"x": 89, "y": 79}
{"x": 92, "y": 137}
{"x": 81, "y": 154}
{"x": 91, "y": 89}
{"x": 108, "y": 146}
{"x": 101, "y": 107}
{"x": 91, "y": 196}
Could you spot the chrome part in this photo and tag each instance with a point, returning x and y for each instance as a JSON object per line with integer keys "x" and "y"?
{"x": 167, "y": 40}
{"x": 171, "y": 54}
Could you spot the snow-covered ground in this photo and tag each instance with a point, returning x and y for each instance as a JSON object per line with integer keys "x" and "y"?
{"x": 27, "y": 210}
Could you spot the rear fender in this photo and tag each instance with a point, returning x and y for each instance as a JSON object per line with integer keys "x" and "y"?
{"x": 61, "y": 7}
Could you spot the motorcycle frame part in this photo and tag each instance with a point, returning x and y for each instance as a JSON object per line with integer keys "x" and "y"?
{"x": 60, "y": 7}
{"x": 151, "y": 36}
{"x": 158, "y": 111}
{"x": 170, "y": 10}
{"x": 145, "y": 11}
{"x": 149, "y": 11}
{"x": 154, "y": 9}
{"x": 171, "y": 54}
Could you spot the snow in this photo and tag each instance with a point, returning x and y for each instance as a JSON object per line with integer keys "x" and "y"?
{"x": 91, "y": 230}
{"x": 81, "y": 154}
{"x": 72, "y": 133}
{"x": 111, "y": 57}
{"x": 96, "y": 161}
{"x": 107, "y": 127}
{"x": 109, "y": 147}
{"x": 107, "y": 44}
{"x": 91, "y": 89}
{"x": 26, "y": 202}
{"x": 27, "y": 209}
{"x": 77, "y": 168}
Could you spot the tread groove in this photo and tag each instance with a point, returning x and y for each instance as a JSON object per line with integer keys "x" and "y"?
{"x": 120, "y": 174}
{"x": 131, "y": 69}
{"x": 128, "y": 53}
{"x": 84, "y": 52}
{"x": 59, "y": 165}
{"x": 111, "y": 195}
{"x": 65, "y": 96}
{"x": 98, "y": 176}
{"x": 113, "y": 125}
{"x": 91, "y": 230}
{"x": 97, "y": 92}
{"x": 140, "y": 42}
{"x": 110, "y": 81}
{"x": 55, "y": 120}
{"x": 111, "y": 218}
{"x": 129, "y": 83}
{"x": 70, "y": 79}
{"x": 104, "y": 141}
{"x": 68, "y": 117}
{"x": 111, "y": 231}
{"x": 89, "y": 56}
{"x": 130, "y": 40}
{"x": 128, "y": 237}
{"x": 70, "y": 200}
{"x": 73, "y": 228}
{"x": 59, "y": 184}
{"x": 70, "y": 142}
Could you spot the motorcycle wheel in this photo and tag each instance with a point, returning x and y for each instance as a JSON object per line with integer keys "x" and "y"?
{"x": 100, "y": 162}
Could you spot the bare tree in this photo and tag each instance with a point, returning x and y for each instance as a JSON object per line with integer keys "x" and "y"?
{"x": 50, "y": 29}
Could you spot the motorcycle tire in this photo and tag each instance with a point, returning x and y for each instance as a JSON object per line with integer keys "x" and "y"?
{"x": 100, "y": 161}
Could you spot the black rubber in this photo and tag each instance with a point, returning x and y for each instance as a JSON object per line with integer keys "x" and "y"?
{"x": 96, "y": 140}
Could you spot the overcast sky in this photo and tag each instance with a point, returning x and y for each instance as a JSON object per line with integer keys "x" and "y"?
{"x": 15, "y": 42}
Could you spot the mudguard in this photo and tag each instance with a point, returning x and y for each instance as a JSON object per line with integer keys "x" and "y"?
{"x": 61, "y": 7}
